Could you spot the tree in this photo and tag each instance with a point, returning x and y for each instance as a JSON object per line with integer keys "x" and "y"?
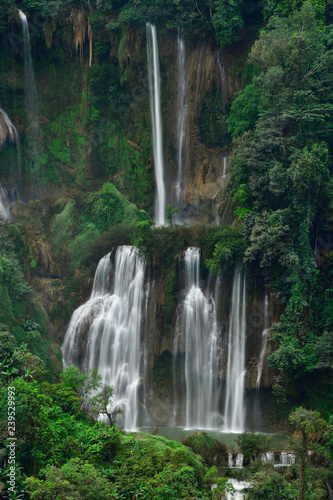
{"x": 170, "y": 212}
{"x": 252, "y": 445}
{"x": 101, "y": 404}
{"x": 82, "y": 384}
{"x": 76, "y": 480}
{"x": 228, "y": 20}
{"x": 270, "y": 486}
{"x": 308, "y": 425}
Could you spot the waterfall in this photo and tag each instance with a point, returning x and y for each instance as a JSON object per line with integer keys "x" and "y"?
{"x": 264, "y": 338}
{"x": 201, "y": 356}
{"x": 181, "y": 120}
{"x": 4, "y": 206}
{"x": 155, "y": 108}
{"x": 31, "y": 101}
{"x": 29, "y": 74}
{"x": 234, "y": 398}
{"x": 8, "y": 131}
{"x": 111, "y": 323}
{"x": 224, "y": 170}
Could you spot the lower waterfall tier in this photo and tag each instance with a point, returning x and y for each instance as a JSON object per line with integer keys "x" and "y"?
{"x": 205, "y": 370}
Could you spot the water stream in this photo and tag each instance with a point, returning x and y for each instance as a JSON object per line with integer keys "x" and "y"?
{"x": 264, "y": 338}
{"x": 234, "y": 397}
{"x": 156, "y": 116}
{"x": 181, "y": 122}
{"x": 110, "y": 324}
{"x": 31, "y": 105}
{"x": 201, "y": 350}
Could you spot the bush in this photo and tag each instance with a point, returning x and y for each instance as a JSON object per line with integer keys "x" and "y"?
{"x": 76, "y": 481}
{"x": 252, "y": 445}
{"x": 271, "y": 487}
{"x": 211, "y": 450}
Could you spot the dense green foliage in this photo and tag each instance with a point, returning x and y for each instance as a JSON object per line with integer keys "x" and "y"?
{"x": 94, "y": 149}
{"x": 252, "y": 445}
{"x": 24, "y": 341}
{"x": 74, "y": 456}
{"x": 280, "y": 180}
{"x": 212, "y": 451}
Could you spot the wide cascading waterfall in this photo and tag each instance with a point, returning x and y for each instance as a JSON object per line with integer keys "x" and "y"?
{"x": 8, "y": 132}
{"x": 31, "y": 102}
{"x": 181, "y": 121}
{"x": 156, "y": 116}
{"x": 4, "y": 206}
{"x": 234, "y": 412}
{"x": 111, "y": 324}
{"x": 7, "y": 129}
{"x": 264, "y": 338}
{"x": 201, "y": 353}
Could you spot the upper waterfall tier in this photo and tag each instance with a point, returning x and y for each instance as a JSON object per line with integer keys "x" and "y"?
{"x": 155, "y": 108}
{"x": 33, "y": 138}
{"x": 111, "y": 325}
{"x": 181, "y": 122}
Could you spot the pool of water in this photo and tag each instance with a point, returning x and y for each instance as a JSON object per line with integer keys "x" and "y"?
{"x": 278, "y": 442}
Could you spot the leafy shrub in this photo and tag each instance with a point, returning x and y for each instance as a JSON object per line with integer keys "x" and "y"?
{"x": 244, "y": 112}
{"x": 252, "y": 445}
{"x": 271, "y": 487}
{"x": 211, "y": 450}
{"x": 228, "y": 20}
{"x": 75, "y": 480}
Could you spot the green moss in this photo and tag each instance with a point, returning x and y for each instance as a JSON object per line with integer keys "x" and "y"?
{"x": 212, "y": 122}
{"x": 162, "y": 375}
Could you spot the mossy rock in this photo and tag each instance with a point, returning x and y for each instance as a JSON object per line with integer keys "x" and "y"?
{"x": 212, "y": 451}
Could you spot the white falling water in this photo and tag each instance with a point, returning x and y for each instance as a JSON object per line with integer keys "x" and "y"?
{"x": 201, "y": 357}
{"x": 224, "y": 170}
{"x": 155, "y": 108}
{"x": 238, "y": 462}
{"x": 264, "y": 339}
{"x": 286, "y": 460}
{"x": 29, "y": 74}
{"x": 4, "y": 205}
{"x": 181, "y": 120}
{"x": 31, "y": 105}
{"x": 112, "y": 326}
{"x": 9, "y": 129}
{"x": 234, "y": 398}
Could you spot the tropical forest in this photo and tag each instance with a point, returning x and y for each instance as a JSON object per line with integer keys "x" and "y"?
{"x": 166, "y": 249}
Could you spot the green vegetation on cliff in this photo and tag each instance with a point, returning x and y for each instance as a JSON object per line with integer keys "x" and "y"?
{"x": 95, "y": 164}
{"x": 280, "y": 179}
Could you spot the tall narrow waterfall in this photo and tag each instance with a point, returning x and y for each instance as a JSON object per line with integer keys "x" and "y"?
{"x": 234, "y": 398}
{"x": 181, "y": 121}
{"x": 29, "y": 74}
{"x": 155, "y": 108}
{"x": 110, "y": 324}
{"x": 264, "y": 338}
{"x": 201, "y": 358}
{"x": 31, "y": 102}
